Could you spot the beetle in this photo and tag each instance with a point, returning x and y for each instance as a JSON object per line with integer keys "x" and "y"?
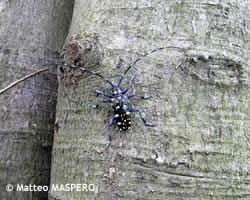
{"x": 119, "y": 98}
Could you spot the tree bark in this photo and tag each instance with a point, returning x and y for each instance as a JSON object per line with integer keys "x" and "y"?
{"x": 200, "y": 146}
{"x": 30, "y": 34}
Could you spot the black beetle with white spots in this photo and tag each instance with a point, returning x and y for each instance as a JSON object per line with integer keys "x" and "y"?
{"x": 119, "y": 100}
{"x": 120, "y": 97}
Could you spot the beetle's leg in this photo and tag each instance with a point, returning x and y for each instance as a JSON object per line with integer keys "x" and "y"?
{"x": 97, "y": 105}
{"x": 142, "y": 118}
{"x": 131, "y": 96}
{"x": 99, "y": 92}
{"x": 111, "y": 120}
{"x": 130, "y": 84}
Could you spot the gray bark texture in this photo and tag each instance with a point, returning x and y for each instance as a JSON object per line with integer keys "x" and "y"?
{"x": 200, "y": 146}
{"x": 28, "y": 31}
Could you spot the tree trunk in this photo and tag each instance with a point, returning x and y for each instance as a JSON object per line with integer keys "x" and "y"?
{"x": 28, "y": 32}
{"x": 200, "y": 146}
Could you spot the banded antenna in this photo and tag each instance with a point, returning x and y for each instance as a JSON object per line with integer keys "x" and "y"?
{"x": 148, "y": 53}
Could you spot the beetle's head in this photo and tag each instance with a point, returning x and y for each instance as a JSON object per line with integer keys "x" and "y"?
{"x": 116, "y": 90}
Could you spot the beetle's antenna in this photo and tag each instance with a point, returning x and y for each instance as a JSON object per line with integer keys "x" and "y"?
{"x": 94, "y": 73}
{"x": 153, "y": 51}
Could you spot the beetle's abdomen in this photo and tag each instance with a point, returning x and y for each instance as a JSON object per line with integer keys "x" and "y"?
{"x": 122, "y": 118}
